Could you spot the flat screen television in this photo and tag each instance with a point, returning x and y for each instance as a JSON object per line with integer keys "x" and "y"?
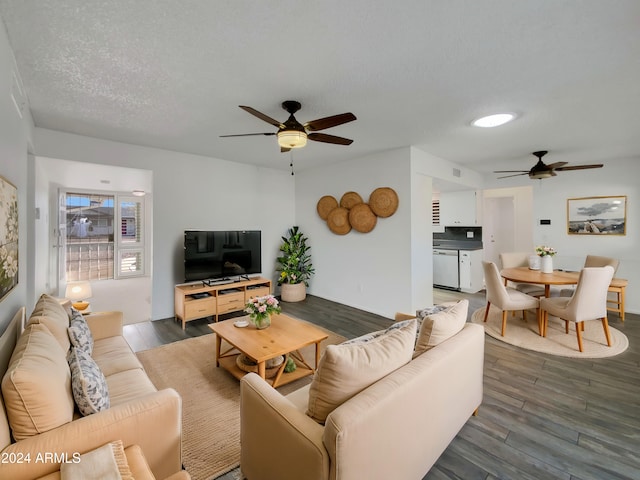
{"x": 211, "y": 255}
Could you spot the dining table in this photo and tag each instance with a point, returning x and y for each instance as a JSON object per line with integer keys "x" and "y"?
{"x": 564, "y": 277}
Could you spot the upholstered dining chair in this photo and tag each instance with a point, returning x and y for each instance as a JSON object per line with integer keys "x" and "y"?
{"x": 520, "y": 259}
{"x": 589, "y": 302}
{"x": 593, "y": 261}
{"x": 506, "y": 298}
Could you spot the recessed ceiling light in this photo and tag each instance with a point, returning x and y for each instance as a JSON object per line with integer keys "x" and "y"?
{"x": 494, "y": 120}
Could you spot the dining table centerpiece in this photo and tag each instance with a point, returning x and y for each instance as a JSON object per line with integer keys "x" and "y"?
{"x": 546, "y": 254}
{"x": 260, "y": 310}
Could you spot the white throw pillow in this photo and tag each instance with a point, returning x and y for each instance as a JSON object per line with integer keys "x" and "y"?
{"x": 440, "y": 326}
{"x": 346, "y": 369}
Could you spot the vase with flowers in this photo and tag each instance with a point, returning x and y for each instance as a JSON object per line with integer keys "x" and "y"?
{"x": 546, "y": 258}
{"x": 260, "y": 310}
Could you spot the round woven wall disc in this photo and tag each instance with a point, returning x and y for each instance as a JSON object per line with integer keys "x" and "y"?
{"x": 350, "y": 199}
{"x": 338, "y": 221}
{"x": 383, "y": 201}
{"x": 362, "y": 219}
{"x": 325, "y": 205}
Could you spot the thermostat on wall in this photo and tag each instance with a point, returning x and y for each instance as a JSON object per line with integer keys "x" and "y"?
{"x": 545, "y": 222}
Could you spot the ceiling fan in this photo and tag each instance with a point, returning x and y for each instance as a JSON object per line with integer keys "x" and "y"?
{"x": 541, "y": 170}
{"x": 293, "y": 134}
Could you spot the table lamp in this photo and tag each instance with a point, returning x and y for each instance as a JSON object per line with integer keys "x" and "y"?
{"x": 78, "y": 292}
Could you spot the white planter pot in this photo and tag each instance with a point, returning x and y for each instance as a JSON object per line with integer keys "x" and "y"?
{"x": 293, "y": 292}
{"x": 546, "y": 264}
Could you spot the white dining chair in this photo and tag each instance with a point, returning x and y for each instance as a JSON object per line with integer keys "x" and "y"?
{"x": 520, "y": 259}
{"x": 506, "y": 298}
{"x": 593, "y": 261}
{"x": 589, "y": 302}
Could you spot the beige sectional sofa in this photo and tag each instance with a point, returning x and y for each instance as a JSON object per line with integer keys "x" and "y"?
{"x": 396, "y": 427}
{"x": 40, "y": 425}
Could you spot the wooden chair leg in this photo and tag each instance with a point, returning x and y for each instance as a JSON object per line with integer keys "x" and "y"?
{"x": 605, "y": 325}
{"x": 524, "y": 316}
{"x": 475, "y": 412}
{"x": 539, "y": 318}
{"x": 545, "y": 319}
{"x": 579, "y": 335}
{"x": 566, "y": 326}
{"x": 486, "y": 312}
{"x": 504, "y": 322}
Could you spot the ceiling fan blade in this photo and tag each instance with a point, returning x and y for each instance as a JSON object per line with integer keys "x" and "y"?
{"x": 249, "y": 134}
{"x": 515, "y": 175}
{"x": 511, "y": 171}
{"x": 328, "y": 122}
{"x": 556, "y": 165}
{"x": 261, "y": 116}
{"x": 580, "y": 167}
{"x": 323, "y": 137}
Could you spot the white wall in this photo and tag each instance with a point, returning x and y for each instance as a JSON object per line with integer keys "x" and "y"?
{"x": 189, "y": 191}
{"x": 369, "y": 271}
{"x": 550, "y": 196}
{"x": 15, "y": 136}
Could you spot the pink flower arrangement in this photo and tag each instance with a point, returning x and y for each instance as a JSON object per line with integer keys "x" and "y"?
{"x": 259, "y": 308}
{"x": 543, "y": 251}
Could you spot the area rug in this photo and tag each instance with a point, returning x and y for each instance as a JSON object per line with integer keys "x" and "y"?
{"x": 557, "y": 342}
{"x": 210, "y": 401}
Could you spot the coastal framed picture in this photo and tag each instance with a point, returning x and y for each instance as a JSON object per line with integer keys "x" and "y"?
{"x": 597, "y": 215}
{"x": 8, "y": 237}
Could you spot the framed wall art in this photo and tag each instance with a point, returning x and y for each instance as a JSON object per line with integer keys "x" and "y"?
{"x": 597, "y": 215}
{"x": 8, "y": 237}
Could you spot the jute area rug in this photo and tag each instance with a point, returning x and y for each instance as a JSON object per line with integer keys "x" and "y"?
{"x": 210, "y": 401}
{"x": 557, "y": 342}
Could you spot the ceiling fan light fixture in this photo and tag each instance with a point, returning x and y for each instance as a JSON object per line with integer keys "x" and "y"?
{"x": 292, "y": 139}
{"x": 496, "y": 120}
{"x": 541, "y": 175}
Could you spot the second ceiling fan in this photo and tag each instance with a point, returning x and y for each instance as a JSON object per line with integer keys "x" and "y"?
{"x": 293, "y": 134}
{"x": 541, "y": 170}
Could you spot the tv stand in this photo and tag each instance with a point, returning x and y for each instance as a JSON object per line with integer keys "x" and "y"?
{"x": 222, "y": 298}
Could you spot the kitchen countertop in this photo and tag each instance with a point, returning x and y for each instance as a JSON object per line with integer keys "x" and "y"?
{"x": 453, "y": 245}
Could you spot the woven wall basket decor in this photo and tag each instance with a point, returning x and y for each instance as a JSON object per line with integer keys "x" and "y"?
{"x": 383, "y": 201}
{"x": 338, "y": 221}
{"x": 325, "y": 205}
{"x": 350, "y": 199}
{"x": 361, "y": 218}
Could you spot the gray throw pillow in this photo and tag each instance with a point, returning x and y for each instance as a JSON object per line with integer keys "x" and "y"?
{"x": 88, "y": 383}
{"x": 79, "y": 332}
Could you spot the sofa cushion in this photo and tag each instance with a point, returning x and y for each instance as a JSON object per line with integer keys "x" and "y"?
{"x": 438, "y": 327}
{"x": 49, "y": 312}
{"x": 113, "y": 355}
{"x": 346, "y": 369}
{"x": 79, "y": 332}
{"x": 88, "y": 383}
{"x": 37, "y": 385}
{"x": 128, "y": 385}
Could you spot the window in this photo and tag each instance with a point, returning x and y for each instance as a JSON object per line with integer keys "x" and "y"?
{"x": 435, "y": 212}
{"x": 95, "y": 249}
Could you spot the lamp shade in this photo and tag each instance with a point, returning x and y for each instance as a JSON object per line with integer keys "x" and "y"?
{"x": 78, "y": 291}
{"x": 292, "y": 139}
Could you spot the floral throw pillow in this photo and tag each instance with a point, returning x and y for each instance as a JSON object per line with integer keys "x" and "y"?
{"x": 88, "y": 384}
{"x": 79, "y": 332}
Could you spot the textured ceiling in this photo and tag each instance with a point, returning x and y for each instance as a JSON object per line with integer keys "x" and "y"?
{"x": 171, "y": 74}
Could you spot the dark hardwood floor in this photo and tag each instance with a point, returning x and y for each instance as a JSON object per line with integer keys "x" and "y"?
{"x": 542, "y": 417}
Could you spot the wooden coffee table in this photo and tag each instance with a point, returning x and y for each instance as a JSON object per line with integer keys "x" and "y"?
{"x": 286, "y": 336}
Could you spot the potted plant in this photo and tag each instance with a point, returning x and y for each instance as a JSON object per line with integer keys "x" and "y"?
{"x": 294, "y": 265}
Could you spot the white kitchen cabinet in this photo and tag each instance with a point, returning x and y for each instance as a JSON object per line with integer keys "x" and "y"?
{"x": 459, "y": 209}
{"x": 470, "y": 267}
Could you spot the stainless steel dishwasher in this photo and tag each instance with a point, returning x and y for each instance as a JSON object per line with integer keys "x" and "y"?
{"x": 445, "y": 269}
